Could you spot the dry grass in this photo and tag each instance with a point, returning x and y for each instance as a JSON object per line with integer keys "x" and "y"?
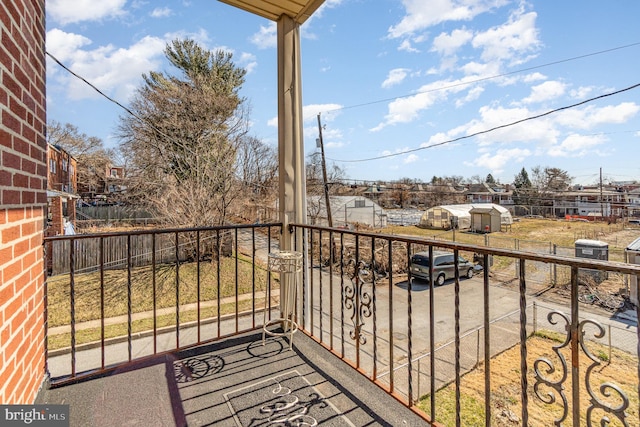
{"x": 505, "y": 387}
{"x": 87, "y": 294}
{"x": 560, "y": 232}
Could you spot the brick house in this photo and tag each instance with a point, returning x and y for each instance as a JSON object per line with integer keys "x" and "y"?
{"x": 23, "y": 199}
{"x": 62, "y": 185}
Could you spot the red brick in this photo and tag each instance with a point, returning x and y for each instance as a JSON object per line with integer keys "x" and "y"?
{"x": 12, "y": 271}
{"x": 16, "y": 107}
{"x": 10, "y": 197}
{"x": 9, "y": 82}
{"x": 18, "y": 320}
{"x": 10, "y": 160}
{"x": 21, "y": 145}
{"x": 11, "y": 47}
{"x": 16, "y": 215}
{"x": 41, "y": 197}
{"x": 6, "y": 293}
{"x": 10, "y": 234}
{"x": 21, "y": 247}
{"x": 20, "y": 180}
{"x": 28, "y": 166}
{"x": 28, "y": 229}
{"x": 28, "y": 133}
{"x": 5, "y": 178}
{"x": 6, "y": 140}
{"x": 28, "y": 197}
{"x": 5, "y": 254}
{"x": 10, "y": 121}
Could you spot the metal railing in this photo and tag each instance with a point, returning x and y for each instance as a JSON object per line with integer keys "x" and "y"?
{"x": 362, "y": 303}
{"x": 359, "y": 300}
{"x": 161, "y": 291}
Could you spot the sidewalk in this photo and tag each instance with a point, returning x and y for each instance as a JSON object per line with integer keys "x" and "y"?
{"x": 159, "y": 312}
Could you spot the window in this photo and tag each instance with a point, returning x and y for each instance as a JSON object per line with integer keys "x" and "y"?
{"x": 65, "y": 164}
{"x": 360, "y": 203}
{"x": 52, "y": 165}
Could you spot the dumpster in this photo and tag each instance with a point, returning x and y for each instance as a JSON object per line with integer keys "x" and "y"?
{"x": 592, "y": 249}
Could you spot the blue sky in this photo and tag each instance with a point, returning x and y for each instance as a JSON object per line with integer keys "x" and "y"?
{"x": 394, "y": 80}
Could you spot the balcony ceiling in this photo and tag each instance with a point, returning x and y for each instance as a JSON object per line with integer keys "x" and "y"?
{"x": 298, "y": 10}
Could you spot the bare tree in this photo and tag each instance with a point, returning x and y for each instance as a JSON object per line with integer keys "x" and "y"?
{"x": 315, "y": 184}
{"x": 184, "y": 136}
{"x": 91, "y": 156}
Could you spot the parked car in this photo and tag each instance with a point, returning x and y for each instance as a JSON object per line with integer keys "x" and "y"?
{"x": 443, "y": 266}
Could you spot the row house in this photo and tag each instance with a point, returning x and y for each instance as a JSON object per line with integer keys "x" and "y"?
{"x": 590, "y": 202}
{"x": 489, "y": 193}
{"x": 62, "y": 187}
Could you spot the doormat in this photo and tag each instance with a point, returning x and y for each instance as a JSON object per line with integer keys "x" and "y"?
{"x": 286, "y": 400}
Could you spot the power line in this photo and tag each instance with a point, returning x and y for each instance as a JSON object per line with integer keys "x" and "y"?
{"x": 134, "y": 115}
{"x": 481, "y": 79}
{"x": 537, "y": 116}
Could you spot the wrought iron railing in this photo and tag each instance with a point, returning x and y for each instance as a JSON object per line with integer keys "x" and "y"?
{"x": 111, "y": 298}
{"x": 362, "y": 303}
{"x": 131, "y": 295}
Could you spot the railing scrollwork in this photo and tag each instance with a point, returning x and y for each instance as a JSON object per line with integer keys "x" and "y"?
{"x": 549, "y": 389}
{"x": 358, "y": 301}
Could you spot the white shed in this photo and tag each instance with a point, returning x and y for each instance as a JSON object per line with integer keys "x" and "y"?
{"x": 346, "y": 210}
{"x": 443, "y": 215}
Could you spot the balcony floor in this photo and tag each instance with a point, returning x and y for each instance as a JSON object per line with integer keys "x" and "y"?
{"x": 236, "y": 382}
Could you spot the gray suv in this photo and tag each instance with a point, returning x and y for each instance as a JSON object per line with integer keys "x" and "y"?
{"x": 443, "y": 266}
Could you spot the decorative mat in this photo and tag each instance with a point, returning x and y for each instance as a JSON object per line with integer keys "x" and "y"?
{"x": 284, "y": 400}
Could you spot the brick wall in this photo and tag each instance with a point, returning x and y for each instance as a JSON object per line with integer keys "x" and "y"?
{"x": 22, "y": 199}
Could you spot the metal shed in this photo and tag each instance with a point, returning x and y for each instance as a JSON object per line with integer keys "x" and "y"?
{"x": 485, "y": 219}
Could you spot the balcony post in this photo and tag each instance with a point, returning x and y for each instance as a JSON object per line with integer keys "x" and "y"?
{"x": 292, "y": 185}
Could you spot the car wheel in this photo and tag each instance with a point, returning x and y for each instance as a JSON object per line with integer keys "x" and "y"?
{"x": 470, "y": 273}
{"x": 440, "y": 280}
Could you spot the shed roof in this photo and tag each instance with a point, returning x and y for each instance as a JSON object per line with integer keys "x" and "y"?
{"x": 634, "y": 246}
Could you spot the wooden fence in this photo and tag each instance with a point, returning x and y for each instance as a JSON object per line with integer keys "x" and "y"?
{"x": 115, "y": 250}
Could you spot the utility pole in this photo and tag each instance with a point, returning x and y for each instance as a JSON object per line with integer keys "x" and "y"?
{"x": 324, "y": 176}
{"x": 601, "y": 200}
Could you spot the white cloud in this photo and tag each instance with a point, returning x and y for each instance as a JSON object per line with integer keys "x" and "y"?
{"x": 448, "y": 44}
{"x": 406, "y": 46}
{"x": 411, "y": 158}
{"x": 72, "y": 11}
{"x": 407, "y": 109}
{"x": 591, "y": 116}
{"x": 115, "y": 71}
{"x": 473, "y": 94}
{"x": 498, "y": 160}
{"x": 422, "y": 14}
{"x": 576, "y": 145}
{"x": 533, "y": 77}
{"x": 396, "y": 76}
{"x": 509, "y": 41}
{"x": 267, "y": 37}
{"x": 64, "y": 45}
{"x": 582, "y": 92}
{"x": 248, "y": 61}
{"x": 548, "y": 90}
{"x": 161, "y": 12}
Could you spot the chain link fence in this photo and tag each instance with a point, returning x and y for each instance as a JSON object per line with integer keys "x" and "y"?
{"x": 505, "y": 334}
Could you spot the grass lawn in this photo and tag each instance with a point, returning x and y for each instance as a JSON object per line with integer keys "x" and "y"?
{"x": 87, "y": 294}
{"x": 505, "y": 387}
